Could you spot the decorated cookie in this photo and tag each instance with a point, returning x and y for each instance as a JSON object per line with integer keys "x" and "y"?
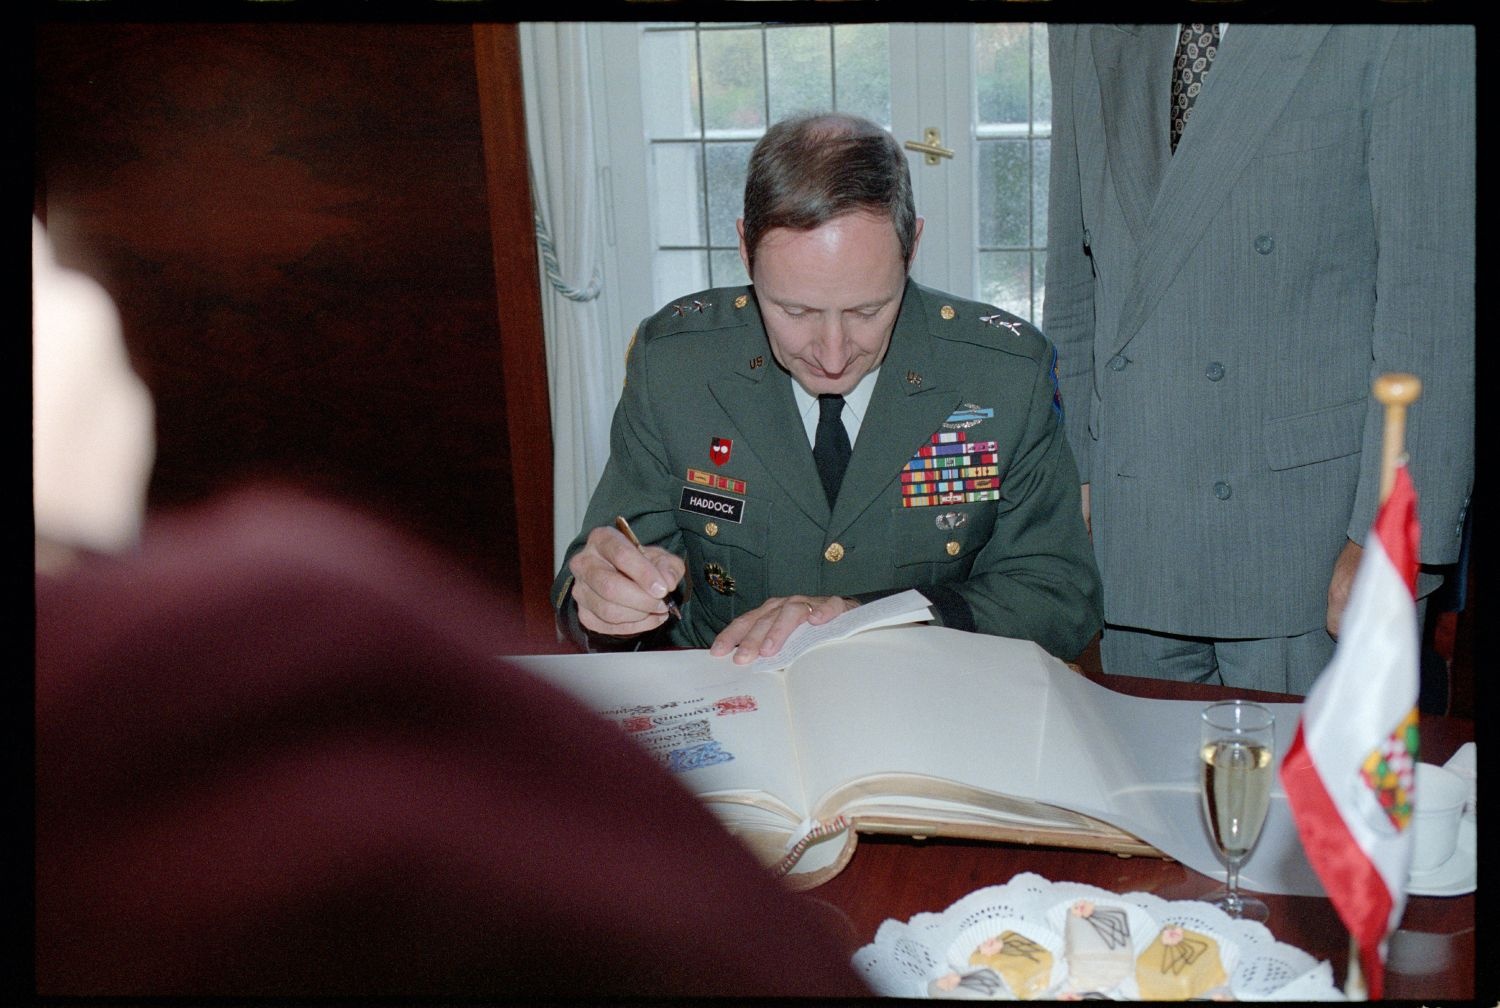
{"x": 1097, "y": 946}
{"x": 978, "y": 985}
{"x": 1024, "y": 965}
{"x": 1179, "y": 964}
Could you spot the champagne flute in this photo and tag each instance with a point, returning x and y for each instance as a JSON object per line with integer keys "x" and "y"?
{"x": 1237, "y": 750}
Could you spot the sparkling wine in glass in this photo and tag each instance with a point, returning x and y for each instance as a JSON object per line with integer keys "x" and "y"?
{"x": 1237, "y": 755}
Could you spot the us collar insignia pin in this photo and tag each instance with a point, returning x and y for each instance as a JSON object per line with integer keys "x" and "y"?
{"x": 759, "y": 360}
{"x": 912, "y": 378}
{"x": 742, "y": 300}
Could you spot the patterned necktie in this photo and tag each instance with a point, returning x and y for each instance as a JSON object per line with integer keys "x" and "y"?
{"x": 831, "y": 446}
{"x": 1197, "y": 46}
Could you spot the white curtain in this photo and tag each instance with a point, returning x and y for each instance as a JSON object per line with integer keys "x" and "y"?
{"x": 583, "y": 376}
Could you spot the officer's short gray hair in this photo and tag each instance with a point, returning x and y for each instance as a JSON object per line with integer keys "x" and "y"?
{"x": 809, "y": 169}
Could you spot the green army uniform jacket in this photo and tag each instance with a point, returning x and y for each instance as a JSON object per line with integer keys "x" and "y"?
{"x": 961, "y": 483}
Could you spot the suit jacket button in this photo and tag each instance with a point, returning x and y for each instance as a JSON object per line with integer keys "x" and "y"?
{"x": 1222, "y": 491}
{"x": 1264, "y": 244}
{"x": 711, "y": 529}
{"x": 1214, "y": 371}
{"x": 834, "y": 553}
{"x": 952, "y": 547}
{"x": 1118, "y": 362}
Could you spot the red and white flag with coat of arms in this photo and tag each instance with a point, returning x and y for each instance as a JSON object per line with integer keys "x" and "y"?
{"x": 1349, "y": 773}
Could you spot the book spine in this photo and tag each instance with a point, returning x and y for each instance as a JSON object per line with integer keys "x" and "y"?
{"x": 821, "y": 831}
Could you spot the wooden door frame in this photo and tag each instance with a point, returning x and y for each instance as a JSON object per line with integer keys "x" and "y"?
{"x": 502, "y": 113}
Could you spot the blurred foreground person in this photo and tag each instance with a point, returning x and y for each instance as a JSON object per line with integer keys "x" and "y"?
{"x": 276, "y": 755}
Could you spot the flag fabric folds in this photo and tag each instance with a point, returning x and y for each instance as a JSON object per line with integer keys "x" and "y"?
{"x": 1349, "y": 773}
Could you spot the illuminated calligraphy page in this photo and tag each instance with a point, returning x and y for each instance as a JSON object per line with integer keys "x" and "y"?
{"x": 723, "y": 732}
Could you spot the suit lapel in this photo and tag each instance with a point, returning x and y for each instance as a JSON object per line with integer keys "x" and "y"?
{"x": 912, "y": 397}
{"x": 759, "y": 401}
{"x": 1251, "y": 81}
{"x": 1134, "y": 64}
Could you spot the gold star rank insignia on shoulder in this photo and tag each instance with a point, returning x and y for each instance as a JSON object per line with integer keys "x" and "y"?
{"x": 681, "y": 308}
{"x": 998, "y": 322}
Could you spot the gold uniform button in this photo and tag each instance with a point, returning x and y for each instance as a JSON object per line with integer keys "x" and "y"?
{"x": 742, "y": 300}
{"x": 711, "y": 529}
{"x": 952, "y": 547}
{"x": 947, "y": 311}
{"x": 834, "y": 553}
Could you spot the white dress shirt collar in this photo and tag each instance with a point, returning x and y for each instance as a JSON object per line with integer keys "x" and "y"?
{"x": 855, "y": 405}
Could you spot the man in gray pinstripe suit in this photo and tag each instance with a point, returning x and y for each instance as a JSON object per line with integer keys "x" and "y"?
{"x": 1221, "y": 310}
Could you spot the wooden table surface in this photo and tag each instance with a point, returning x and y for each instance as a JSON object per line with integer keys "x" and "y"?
{"x": 1432, "y": 952}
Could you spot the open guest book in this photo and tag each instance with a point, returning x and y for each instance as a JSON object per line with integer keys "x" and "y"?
{"x": 875, "y": 723}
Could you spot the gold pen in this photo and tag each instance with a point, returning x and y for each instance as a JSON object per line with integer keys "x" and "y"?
{"x": 625, "y": 530}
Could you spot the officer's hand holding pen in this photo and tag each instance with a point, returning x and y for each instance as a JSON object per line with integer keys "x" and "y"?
{"x": 622, "y": 588}
{"x": 624, "y": 527}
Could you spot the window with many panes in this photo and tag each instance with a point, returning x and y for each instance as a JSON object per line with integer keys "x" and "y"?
{"x": 708, "y": 91}
{"x": 1012, "y": 140}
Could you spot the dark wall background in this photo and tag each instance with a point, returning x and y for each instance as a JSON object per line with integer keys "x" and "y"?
{"x": 293, "y": 221}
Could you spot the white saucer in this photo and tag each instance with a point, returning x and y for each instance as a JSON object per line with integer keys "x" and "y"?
{"x": 1457, "y": 875}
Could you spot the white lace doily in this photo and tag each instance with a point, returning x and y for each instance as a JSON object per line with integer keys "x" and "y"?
{"x": 905, "y": 956}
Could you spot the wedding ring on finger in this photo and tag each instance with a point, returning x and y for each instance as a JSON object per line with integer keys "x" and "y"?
{"x": 810, "y": 607}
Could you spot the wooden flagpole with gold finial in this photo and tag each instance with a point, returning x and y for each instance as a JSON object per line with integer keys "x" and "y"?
{"x": 1395, "y": 392}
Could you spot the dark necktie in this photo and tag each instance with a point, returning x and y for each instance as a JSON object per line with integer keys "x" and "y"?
{"x": 1197, "y": 46}
{"x": 831, "y": 446}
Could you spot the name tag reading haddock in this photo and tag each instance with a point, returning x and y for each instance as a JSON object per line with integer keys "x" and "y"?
{"x": 712, "y": 505}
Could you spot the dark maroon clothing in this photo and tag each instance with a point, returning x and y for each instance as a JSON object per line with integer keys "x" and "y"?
{"x": 276, "y": 754}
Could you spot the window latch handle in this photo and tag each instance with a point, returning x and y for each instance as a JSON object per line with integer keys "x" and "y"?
{"x": 932, "y": 146}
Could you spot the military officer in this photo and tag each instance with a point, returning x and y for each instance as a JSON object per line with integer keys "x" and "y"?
{"x": 742, "y": 405}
